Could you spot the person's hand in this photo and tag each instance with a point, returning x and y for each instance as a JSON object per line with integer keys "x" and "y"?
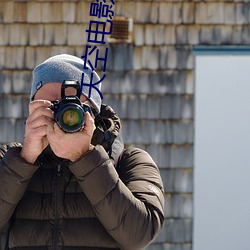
{"x": 35, "y": 141}
{"x": 71, "y": 146}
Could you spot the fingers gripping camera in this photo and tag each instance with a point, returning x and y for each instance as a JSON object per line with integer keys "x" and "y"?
{"x": 70, "y": 112}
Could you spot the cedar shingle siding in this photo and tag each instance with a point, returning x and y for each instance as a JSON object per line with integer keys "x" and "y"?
{"x": 150, "y": 82}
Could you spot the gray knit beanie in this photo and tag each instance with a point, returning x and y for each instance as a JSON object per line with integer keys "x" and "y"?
{"x": 66, "y": 67}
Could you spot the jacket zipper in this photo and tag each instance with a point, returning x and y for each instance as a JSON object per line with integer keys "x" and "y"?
{"x": 56, "y": 232}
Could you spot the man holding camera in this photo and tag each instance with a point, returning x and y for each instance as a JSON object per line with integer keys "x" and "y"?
{"x": 72, "y": 185}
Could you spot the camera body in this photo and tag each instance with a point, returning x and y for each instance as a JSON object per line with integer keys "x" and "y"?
{"x": 70, "y": 112}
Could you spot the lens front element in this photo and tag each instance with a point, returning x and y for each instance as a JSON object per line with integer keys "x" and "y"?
{"x": 70, "y": 117}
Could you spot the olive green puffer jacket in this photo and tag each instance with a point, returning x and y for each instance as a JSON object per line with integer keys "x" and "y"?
{"x": 94, "y": 203}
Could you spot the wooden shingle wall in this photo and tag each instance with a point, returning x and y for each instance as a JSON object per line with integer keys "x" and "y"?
{"x": 150, "y": 82}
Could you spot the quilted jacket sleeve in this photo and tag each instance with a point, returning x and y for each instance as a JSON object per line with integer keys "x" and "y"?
{"x": 15, "y": 174}
{"x": 128, "y": 201}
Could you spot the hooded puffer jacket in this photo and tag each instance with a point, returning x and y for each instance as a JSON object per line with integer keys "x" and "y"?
{"x": 98, "y": 202}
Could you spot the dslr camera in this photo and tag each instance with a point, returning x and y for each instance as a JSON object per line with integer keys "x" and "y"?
{"x": 70, "y": 112}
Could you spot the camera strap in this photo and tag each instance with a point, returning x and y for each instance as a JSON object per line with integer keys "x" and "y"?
{"x": 106, "y": 132}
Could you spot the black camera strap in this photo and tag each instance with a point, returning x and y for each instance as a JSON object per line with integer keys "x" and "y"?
{"x": 106, "y": 132}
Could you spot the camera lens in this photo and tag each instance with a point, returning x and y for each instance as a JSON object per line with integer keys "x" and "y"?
{"x": 70, "y": 117}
